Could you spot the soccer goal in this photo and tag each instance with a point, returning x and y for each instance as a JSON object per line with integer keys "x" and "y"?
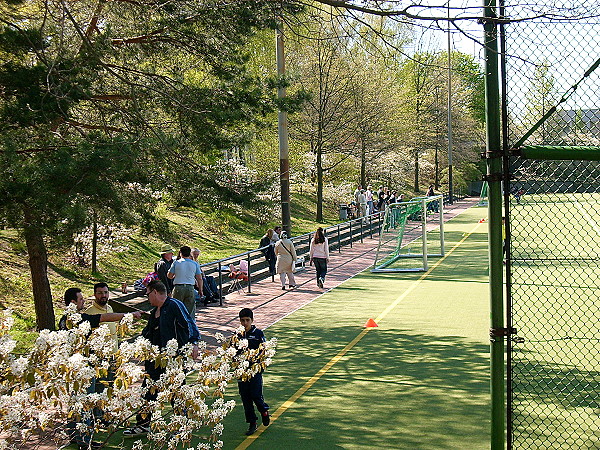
{"x": 483, "y": 197}
{"x": 412, "y": 232}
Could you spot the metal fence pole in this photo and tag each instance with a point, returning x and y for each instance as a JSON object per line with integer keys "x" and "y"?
{"x": 494, "y": 177}
{"x": 249, "y": 275}
{"x": 339, "y": 240}
{"x": 361, "y": 231}
{"x": 350, "y": 223}
{"x": 220, "y": 286}
{"x": 424, "y": 230}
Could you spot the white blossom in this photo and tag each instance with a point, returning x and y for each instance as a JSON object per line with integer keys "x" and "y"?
{"x": 172, "y": 347}
{"x": 66, "y": 360}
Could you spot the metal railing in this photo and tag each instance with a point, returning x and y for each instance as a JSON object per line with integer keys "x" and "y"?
{"x": 339, "y": 235}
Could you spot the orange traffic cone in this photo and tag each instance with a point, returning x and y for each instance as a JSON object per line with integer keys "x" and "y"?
{"x": 371, "y": 324}
{"x": 481, "y": 220}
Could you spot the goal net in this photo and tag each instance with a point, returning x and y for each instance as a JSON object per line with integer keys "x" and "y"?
{"x": 412, "y": 232}
{"x": 483, "y": 196}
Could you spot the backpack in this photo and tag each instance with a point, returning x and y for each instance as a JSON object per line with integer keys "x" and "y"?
{"x": 210, "y": 287}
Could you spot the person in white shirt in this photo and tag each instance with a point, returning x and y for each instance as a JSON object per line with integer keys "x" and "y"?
{"x": 286, "y": 259}
{"x": 362, "y": 202}
{"x": 369, "y": 196}
{"x": 186, "y": 273}
{"x": 276, "y": 235}
{"x": 319, "y": 255}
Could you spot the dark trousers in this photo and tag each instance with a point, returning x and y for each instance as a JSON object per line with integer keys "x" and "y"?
{"x": 251, "y": 393}
{"x": 320, "y": 267}
{"x": 272, "y": 262}
{"x": 154, "y": 373}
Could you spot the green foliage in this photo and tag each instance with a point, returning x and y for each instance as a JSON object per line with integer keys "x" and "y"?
{"x": 105, "y": 109}
{"x": 463, "y": 175}
{"x": 471, "y": 73}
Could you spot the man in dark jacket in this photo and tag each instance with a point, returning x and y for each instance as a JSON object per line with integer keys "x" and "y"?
{"x": 163, "y": 265}
{"x": 169, "y": 319}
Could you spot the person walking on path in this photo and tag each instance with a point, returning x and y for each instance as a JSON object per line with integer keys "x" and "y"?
{"x": 268, "y": 249}
{"x": 286, "y": 259}
{"x": 169, "y": 319}
{"x": 319, "y": 255}
{"x": 251, "y": 391}
{"x": 186, "y": 273}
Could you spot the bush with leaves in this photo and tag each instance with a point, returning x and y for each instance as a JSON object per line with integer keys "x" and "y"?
{"x": 43, "y": 390}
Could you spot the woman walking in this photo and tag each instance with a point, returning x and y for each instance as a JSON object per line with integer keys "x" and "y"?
{"x": 319, "y": 255}
{"x": 268, "y": 249}
{"x": 286, "y": 259}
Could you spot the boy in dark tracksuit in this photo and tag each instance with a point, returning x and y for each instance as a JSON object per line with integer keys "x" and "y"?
{"x": 251, "y": 390}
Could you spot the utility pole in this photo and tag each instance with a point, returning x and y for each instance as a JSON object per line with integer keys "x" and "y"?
{"x": 450, "y": 185}
{"x": 282, "y": 128}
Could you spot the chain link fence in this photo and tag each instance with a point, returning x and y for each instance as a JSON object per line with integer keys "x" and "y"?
{"x": 552, "y": 207}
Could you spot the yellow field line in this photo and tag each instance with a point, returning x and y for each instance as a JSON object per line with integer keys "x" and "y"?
{"x": 290, "y": 401}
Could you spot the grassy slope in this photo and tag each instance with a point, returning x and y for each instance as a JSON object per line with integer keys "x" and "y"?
{"x": 216, "y": 233}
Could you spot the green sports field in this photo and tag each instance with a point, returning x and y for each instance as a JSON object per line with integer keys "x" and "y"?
{"x": 418, "y": 381}
{"x": 556, "y": 297}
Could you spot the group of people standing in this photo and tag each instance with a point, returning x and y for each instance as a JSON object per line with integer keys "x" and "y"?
{"x": 168, "y": 320}
{"x": 369, "y": 202}
{"x": 183, "y": 277}
{"x": 280, "y": 253}
{"x": 172, "y": 296}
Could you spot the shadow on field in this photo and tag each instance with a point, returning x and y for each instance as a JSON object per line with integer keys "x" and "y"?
{"x": 555, "y": 406}
{"x": 392, "y": 390}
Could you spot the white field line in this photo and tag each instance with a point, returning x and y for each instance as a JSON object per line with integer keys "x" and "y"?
{"x": 585, "y": 214}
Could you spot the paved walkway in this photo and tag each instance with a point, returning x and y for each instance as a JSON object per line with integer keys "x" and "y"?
{"x": 272, "y": 304}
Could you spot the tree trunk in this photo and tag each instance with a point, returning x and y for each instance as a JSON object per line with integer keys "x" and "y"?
{"x": 437, "y": 165}
{"x": 416, "y": 155}
{"x": 319, "y": 186}
{"x": 38, "y": 266}
{"x": 416, "y": 186}
{"x": 363, "y": 166}
{"x": 95, "y": 244}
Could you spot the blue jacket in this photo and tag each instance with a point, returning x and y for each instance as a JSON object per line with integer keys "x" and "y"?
{"x": 255, "y": 337}
{"x": 174, "y": 322}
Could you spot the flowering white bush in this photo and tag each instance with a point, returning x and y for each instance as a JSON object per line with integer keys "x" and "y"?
{"x": 111, "y": 239}
{"x": 41, "y": 391}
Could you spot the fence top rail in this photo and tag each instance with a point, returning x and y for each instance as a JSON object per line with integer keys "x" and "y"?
{"x": 555, "y": 152}
{"x": 300, "y": 237}
{"x": 418, "y": 200}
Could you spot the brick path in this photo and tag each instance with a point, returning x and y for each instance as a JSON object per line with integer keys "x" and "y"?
{"x": 272, "y": 304}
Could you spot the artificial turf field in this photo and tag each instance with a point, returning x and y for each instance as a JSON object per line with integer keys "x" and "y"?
{"x": 556, "y": 311}
{"x": 418, "y": 381}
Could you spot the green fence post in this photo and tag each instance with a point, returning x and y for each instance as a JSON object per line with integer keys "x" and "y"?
{"x": 494, "y": 179}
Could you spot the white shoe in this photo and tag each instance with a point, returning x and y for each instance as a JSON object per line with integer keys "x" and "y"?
{"x": 136, "y": 431}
